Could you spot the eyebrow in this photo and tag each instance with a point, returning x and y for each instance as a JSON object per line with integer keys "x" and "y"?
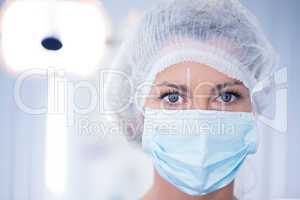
{"x": 222, "y": 86}
{"x": 184, "y": 88}
{"x": 181, "y": 87}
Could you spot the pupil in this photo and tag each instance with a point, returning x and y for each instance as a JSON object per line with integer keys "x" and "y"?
{"x": 226, "y": 97}
{"x": 173, "y": 98}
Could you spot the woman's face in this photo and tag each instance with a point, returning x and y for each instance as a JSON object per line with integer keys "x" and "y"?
{"x": 191, "y": 85}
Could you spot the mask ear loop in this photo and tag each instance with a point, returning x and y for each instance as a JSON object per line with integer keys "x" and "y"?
{"x": 278, "y": 94}
{"x": 274, "y": 99}
{"x": 267, "y": 84}
{"x": 256, "y": 109}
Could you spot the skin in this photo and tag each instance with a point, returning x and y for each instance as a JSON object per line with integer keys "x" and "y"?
{"x": 190, "y": 85}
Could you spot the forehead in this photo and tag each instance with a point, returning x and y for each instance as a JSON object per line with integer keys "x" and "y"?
{"x": 194, "y": 74}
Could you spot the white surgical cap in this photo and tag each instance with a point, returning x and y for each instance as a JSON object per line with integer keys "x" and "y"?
{"x": 219, "y": 33}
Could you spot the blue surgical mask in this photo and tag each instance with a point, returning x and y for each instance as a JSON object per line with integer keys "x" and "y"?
{"x": 198, "y": 151}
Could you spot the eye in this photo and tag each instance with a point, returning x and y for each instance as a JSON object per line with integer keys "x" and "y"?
{"x": 172, "y": 97}
{"x": 228, "y": 97}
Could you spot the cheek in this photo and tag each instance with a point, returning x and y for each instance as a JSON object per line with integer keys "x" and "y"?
{"x": 150, "y": 103}
{"x": 242, "y": 106}
{"x": 248, "y": 106}
{"x": 152, "y": 100}
{"x": 245, "y": 105}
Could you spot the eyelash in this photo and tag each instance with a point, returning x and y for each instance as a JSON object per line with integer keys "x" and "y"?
{"x": 236, "y": 94}
{"x": 232, "y": 92}
{"x": 171, "y": 92}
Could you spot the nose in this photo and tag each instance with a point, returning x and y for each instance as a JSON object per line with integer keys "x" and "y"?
{"x": 202, "y": 96}
{"x": 52, "y": 43}
{"x": 201, "y": 102}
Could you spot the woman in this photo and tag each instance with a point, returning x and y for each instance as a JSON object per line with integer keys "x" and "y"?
{"x": 191, "y": 73}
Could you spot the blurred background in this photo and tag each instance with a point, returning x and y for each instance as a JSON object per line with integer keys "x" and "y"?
{"x": 51, "y": 151}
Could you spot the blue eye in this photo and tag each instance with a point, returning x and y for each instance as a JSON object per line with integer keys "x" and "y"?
{"x": 171, "y": 97}
{"x": 228, "y": 97}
